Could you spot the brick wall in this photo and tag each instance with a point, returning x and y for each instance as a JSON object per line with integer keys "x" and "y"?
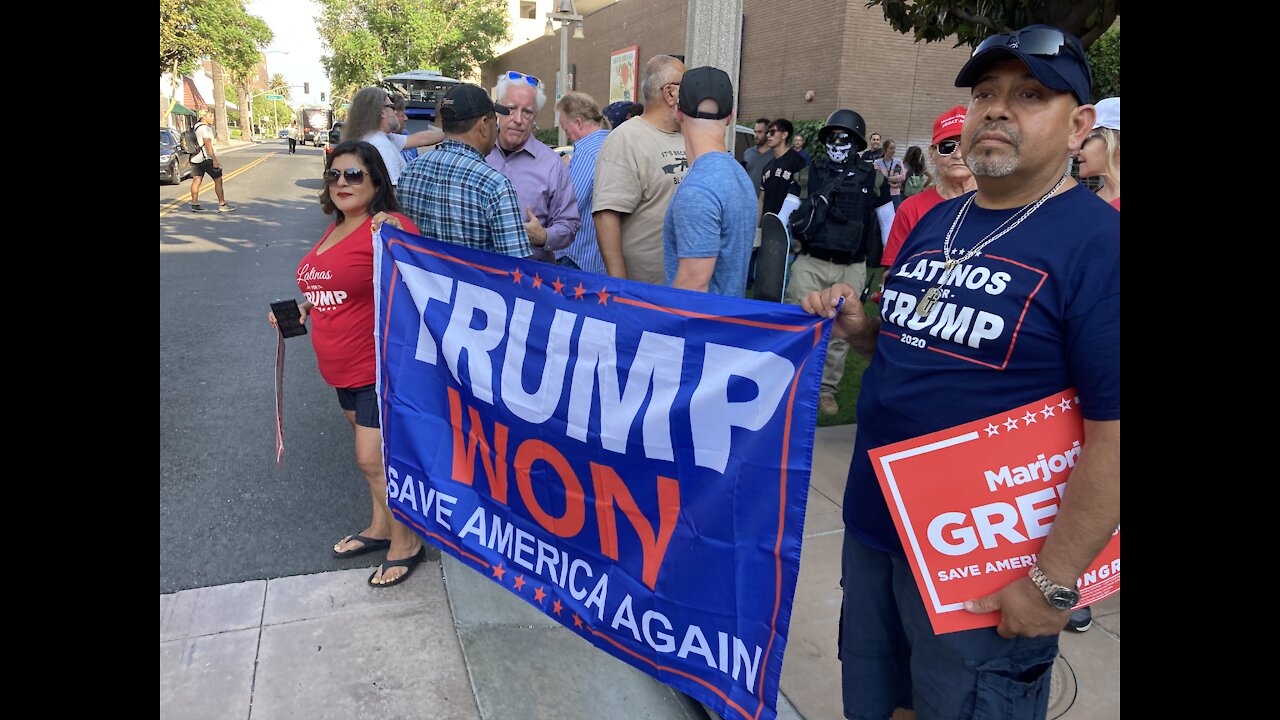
{"x": 898, "y": 86}
{"x": 844, "y": 52}
{"x": 787, "y": 50}
{"x": 656, "y": 26}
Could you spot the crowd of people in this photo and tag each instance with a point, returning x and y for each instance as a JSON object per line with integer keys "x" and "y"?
{"x": 652, "y": 194}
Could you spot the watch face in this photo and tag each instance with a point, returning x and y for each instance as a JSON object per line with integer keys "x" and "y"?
{"x": 1064, "y": 599}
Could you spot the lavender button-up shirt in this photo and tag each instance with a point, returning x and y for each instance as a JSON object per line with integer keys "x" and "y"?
{"x": 543, "y": 185}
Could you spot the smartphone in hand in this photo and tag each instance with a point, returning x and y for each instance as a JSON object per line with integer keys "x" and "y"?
{"x": 288, "y": 318}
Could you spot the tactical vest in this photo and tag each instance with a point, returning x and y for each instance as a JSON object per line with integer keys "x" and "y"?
{"x": 843, "y": 238}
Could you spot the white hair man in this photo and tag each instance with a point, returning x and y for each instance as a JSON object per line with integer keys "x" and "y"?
{"x": 542, "y": 181}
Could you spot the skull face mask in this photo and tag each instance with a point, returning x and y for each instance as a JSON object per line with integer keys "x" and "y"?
{"x": 838, "y": 146}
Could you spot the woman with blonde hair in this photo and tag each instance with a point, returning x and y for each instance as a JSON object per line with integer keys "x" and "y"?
{"x": 1100, "y": 153}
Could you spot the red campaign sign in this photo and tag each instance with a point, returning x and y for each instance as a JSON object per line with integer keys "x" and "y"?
{"x": 973, "y": 504}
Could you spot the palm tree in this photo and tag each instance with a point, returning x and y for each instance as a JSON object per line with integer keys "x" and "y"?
{"x": 279, "y": 85}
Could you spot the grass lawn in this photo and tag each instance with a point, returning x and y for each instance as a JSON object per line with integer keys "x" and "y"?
{"x": 854, "y": 364}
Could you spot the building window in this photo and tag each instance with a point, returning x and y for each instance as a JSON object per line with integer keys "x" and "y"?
{"x": 528, "y": 10}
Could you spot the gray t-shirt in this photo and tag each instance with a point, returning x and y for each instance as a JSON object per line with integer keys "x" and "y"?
{"x": 756, "y": 161}
{"x": 637, "y": 171}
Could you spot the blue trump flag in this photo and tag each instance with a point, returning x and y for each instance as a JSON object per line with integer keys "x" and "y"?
{"x": 633, "y": 460}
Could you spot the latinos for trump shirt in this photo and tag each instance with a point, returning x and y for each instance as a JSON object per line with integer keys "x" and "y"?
{"x": 1037, "y": 311}
{"x": 339, "y": 282}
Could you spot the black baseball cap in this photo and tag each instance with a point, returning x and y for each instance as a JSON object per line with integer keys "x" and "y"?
{"x": 706, "y": 83}
{"x": 465, "y": 101}
{"x": 1054, "y": 56}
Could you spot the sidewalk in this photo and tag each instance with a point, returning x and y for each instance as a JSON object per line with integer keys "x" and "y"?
{"x": 451, "y": 644}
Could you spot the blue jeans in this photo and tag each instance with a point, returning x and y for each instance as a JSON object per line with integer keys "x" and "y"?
{"x": 891, "y": 658}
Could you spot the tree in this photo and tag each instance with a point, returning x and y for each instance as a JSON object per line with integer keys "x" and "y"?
{"x": 236, "y": 39}
{"x": 374, "y": 38}
{"x": 181, "y": 45}
{"x": 1104, "y": 57}
{"x": 280, "y": 86}
{"x": 971, "y": 21}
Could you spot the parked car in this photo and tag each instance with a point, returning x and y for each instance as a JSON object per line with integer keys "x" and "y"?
{"x": 283, "y": 134}
{"x": 174, "y": 164}
{"x": 335, "y": 136}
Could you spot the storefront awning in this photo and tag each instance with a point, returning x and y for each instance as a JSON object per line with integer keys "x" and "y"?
{"x": 180, "y": 109}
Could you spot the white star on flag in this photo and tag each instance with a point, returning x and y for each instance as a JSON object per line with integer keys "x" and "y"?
{"x": 1010, "y": 423}
{"x": 992, "y": 430}
{"x": 1065, "y": 404}
{"x": 1029, "y": 418}
{"x": 1047, "y": 411}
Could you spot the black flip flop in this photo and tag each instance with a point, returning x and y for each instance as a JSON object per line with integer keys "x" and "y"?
{"x": 369, "y": 546}
{"x": 408, "y": 563}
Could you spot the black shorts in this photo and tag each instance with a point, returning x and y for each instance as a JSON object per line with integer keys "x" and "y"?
{"x": 364, "y": 401}
{"x": 205, "y": 168}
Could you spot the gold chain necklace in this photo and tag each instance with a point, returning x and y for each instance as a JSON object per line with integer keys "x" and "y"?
{"x": 932, "y": 295}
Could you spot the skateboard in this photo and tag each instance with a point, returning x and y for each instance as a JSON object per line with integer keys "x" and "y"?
{"x": 772, "y": 259}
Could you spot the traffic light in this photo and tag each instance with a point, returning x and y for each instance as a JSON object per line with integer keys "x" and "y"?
{"x": 321, "y": 97}
{"x": 306, "y": 88}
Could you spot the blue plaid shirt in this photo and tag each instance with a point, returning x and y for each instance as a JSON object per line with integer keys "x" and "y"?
{"x": 453, "y": 195}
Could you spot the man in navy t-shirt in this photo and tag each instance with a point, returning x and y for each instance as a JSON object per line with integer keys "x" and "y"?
{"x": 710, "y": 223}
{"x": 999, "y": 297}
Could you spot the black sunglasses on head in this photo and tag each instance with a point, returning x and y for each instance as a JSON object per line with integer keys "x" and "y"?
{"x": 1035, "y": 41}
{"x": 354, "y": 176}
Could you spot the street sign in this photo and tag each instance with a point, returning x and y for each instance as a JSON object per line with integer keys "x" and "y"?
{"x": 346, "y": 105}
{"x": 274, "y": 97}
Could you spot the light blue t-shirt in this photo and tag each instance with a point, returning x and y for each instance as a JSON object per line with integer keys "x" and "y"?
{"x": 713, "y": 214}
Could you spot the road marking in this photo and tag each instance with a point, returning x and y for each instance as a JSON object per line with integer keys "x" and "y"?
{"x": 175, "y": 204}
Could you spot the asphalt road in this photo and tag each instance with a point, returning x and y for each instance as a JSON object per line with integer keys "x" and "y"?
{"x": 228, "y": 512}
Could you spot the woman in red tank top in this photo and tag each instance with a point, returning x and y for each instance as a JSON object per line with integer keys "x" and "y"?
{"x": 336, "y": 278}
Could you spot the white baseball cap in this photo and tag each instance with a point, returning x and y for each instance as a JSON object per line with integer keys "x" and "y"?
{"x": 1108, "y": 113}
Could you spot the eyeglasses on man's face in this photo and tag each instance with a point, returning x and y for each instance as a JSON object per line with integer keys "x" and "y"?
{"x": 526, "y": 113}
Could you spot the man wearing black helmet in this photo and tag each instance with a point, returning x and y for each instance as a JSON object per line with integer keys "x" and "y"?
{"x": 834, "y": 239}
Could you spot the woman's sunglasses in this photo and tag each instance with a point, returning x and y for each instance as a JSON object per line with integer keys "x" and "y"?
{"x": 354, "y": 176}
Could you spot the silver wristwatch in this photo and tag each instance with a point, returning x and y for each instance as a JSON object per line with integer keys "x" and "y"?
{"x": 1060, "y": 597}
